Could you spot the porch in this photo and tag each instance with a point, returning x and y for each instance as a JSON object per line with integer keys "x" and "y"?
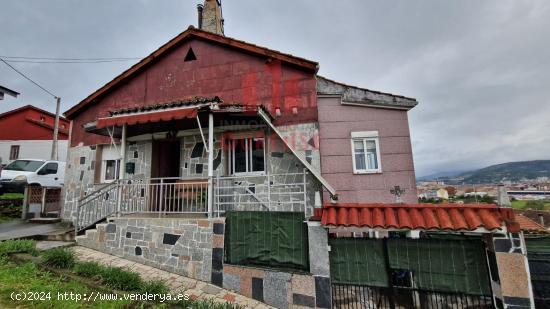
{"x": 174, "y": 197}
{"x": 199, "y": 158}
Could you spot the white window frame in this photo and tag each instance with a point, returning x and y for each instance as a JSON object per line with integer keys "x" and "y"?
{"x": 364, "y": 137}
{"x": 104, "y": 170}
{"x": 231, "y": 156}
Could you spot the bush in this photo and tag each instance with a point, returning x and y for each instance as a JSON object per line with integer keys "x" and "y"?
{"x": 17, "y": 246}
{"x": 536, "y": 205}
{"x": 120, "y": 279}
{"x": 210, "y": 304}
{"x": 154, "y": 287}
{"x": 88, "y": 269}
{"x": 58, "y": 258}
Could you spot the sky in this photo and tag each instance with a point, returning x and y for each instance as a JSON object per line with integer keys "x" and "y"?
{"x": 480, "y": 70}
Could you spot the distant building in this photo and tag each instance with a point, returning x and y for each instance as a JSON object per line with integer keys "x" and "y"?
{"x": 442, "y": 194}
{"x": 4, "y": 91}
{"x": 27, "y": 132}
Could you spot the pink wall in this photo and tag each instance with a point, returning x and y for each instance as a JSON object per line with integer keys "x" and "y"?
{"x": 336, "y": 122}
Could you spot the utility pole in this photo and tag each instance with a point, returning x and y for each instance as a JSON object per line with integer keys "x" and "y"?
{"x": 55, "y": 155}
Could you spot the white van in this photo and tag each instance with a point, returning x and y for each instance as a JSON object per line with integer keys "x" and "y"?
{"x": 15, "y": 176}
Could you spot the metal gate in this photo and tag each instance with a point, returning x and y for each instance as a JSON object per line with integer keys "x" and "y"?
{"x": 363, "y": 276}
{"x": 538, "y": 254}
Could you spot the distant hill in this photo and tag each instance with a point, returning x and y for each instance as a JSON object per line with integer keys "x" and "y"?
{"x": 511, "y": 171}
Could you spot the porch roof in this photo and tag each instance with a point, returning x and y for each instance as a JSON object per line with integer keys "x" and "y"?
{"x": 451, "y": 217}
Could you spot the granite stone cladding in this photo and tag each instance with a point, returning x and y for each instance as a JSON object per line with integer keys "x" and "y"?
{"x": 181, "y": 246}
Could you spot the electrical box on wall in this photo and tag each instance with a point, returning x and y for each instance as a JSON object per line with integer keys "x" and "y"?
{"x": 130, "y": 168}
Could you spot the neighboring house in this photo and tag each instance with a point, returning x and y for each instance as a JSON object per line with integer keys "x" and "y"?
{"x": 27, "y": 133}
{"x": 4, "y": 91}
{"x": 238, "y": 165}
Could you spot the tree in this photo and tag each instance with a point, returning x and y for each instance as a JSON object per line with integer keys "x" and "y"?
{"x": 451, "y": 190}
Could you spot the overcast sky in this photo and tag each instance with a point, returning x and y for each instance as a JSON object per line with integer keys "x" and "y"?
{"x": 479, "y": 69}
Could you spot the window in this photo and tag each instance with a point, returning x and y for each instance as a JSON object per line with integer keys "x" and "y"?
{"x": 14, "y": 152}
{"x": 111, "y": 170}
{"x": 49, "y": 169}
{"x": 366, "y": 152}
{"x": 247, "y": 155}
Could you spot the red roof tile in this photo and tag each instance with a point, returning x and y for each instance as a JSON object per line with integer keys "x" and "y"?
{"x": 528, "y": 225}
{"x": 453, "y": 217}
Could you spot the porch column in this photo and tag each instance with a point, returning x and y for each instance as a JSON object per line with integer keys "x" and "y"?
{"x": 210, "y": 163}
{"x": 122, "y": 168}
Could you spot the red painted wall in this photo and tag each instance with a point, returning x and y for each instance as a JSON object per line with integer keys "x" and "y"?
{"x": 233, "y": 75}
{"x": 20, "y": 125}
{"x": 336, "y": 122}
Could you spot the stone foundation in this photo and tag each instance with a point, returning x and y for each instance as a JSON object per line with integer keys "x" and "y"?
{"x": 181, "y": 246}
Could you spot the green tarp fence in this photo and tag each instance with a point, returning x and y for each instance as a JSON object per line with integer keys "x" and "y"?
{"x": 358, "y": 261}
{"x": 538, "y": 245}
{"x": 271, "y": 239}
{"x": 440, "y": 265}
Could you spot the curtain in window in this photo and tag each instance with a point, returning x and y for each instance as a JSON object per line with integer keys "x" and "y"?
{"x": 360, "y": 163}
{"x": 371, "y": 155}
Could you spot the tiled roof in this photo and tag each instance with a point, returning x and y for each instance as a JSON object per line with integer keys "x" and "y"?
{"x": 452, "y": 217}
{"x": 528, "y": 225}
{"x": 166, "y": 105}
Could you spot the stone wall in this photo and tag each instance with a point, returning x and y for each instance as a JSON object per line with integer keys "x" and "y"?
{"x": 194, "y": 158}
{"x": 181, "y": 246}
{"x": 79, "y": 176}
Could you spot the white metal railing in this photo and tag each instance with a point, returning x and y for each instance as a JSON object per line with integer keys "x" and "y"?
{"x": 165, "y": 196}
{"x": 271, "y": 192}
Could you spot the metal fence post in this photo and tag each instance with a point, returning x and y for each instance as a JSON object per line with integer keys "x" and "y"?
{"x": 269, "y": 190}
{"x": 161, "y": 197}
{"x": 305, "y": 190}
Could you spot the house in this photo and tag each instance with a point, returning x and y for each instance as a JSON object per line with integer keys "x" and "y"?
{"x": 27, "y": 132}
{"x": 4, "y": 91}
{"x": 239, "y": 165}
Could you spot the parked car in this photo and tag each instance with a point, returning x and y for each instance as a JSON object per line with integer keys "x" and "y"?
{"x": 15, "y": 176}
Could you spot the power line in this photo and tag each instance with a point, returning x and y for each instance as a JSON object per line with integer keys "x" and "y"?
{"x": 58, "y": 62}
{"x": 29, "y": 79}
{"x": 71, "y": 59}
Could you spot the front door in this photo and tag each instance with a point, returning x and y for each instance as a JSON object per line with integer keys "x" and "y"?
{"x": 165, "y": 164}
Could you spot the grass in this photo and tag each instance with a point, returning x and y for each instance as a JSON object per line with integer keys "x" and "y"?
{"x": 28, "y": 278}
{"x": 11, "y": 196}
{"x": 58, "y": 258}
{"x": 4, "y": 219}
{"x": 521, "y": 204}
{"x": 79, "y": 278}
{"x": 17, "y": 246}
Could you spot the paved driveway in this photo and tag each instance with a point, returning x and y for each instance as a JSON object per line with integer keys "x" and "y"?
{"x": 20, "y": 229}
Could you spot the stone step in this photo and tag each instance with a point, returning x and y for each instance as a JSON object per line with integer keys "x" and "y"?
{"x": 44, "y": 220}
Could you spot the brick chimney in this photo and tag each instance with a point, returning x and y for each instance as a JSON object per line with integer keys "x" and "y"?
{"x": 210, "y": 16}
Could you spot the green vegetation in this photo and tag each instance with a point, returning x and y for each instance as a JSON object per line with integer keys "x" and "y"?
{"x": 28, "y": 278}
{"x": 58, "y": 258}
{"x": 17, "y": 246}
{"x": 11, "y": 196}
{"x": 154, "y": 287}
{"x": 534, "y": 205}
{"x": 67, "y": 276}
{"x": 120, "y": 279}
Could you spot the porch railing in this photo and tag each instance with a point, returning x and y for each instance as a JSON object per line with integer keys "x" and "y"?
{"x": 167, "y": 196}
{"x": 281, "y": 192}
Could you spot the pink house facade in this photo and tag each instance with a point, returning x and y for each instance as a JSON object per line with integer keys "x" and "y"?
{"x": 349, "y": 114}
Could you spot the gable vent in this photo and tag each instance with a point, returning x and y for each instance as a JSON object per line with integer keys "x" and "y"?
{"x": 190, "y": 55}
